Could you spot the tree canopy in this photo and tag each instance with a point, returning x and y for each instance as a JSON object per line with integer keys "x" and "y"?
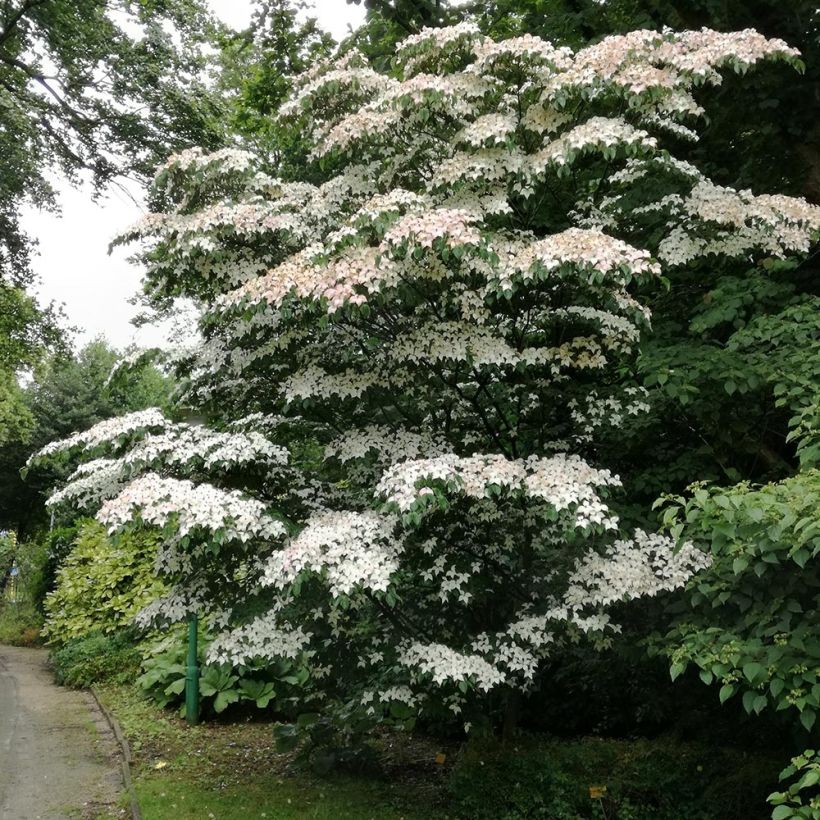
{"x": 92, "y": 90}
{"x": 433, "y": 321}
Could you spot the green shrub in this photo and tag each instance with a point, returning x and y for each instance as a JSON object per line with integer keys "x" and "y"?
{"x": 57, "y": 544}
{"x": 750, "y": 623}
{"x": 20, "y": 621}
{"x": 20, "y": 624}
{"x": 8, "y": 544}
{"x": 102, "y": 584}
{"x": 592, "y": 779}
{"x": 97, "y": 658}
{"x": 801, "y": 800}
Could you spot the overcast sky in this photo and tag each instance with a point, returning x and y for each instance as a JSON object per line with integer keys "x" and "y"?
{"x": 73, "y": 262}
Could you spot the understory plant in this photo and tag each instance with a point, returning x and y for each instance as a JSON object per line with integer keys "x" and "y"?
{"x": 101, "y": 584}
{"x": 220, "y": 685}
{"x": 96, "y": 658}
{"x": 801, "y": 800}
{"x": 412, "y": 342}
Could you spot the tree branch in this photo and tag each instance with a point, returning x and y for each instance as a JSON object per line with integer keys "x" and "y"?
{"x": 11, "y": 23}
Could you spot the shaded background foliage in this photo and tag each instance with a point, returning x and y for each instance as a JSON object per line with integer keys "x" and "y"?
{"x": 68, "y": 393}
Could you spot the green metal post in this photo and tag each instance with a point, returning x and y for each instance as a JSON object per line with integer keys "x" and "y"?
{"x": 192, "y": 676}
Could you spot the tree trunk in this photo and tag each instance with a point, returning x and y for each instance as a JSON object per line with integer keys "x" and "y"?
{"x": 512, "y": 714}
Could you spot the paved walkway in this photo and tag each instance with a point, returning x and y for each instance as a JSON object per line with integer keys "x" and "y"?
{"x": 57, "y": 753}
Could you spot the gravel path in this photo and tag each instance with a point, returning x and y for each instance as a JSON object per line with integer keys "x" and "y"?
{"x": 58, "y": 758}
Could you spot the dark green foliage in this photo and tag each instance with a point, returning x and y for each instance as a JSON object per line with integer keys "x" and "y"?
{"x": 259, "y": 64}
{"x": 8, "y": 546}
{"x": 751, "y": 624}
{"x": 536, "y": 779}
{"x": 97, "y": 658}
{"x": 331, "y": 741}
{"x": 20, "y": 620}
{"x": 67, "y": 394}
{"x": 801, "y": 798}
{"x": 57, "y": 543}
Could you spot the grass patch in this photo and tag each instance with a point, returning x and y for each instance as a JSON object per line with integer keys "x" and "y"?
{"x": 274, "y": 798}
{"x": 233, "y": 772}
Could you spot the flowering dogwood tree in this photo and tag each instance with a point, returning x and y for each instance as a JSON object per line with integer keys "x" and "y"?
{"x": 436, "y": 319}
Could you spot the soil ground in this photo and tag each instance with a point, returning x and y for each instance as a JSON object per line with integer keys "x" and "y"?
{"x": 58, "y": 757}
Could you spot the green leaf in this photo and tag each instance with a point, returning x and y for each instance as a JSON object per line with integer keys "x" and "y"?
{"x": 752, "y": 671}
{"x": 782, "y": 812}
{"x": 807, "y": 718}
{"x": 286, "y": 737}
{"x": 810, "y": 778}
{"x": 225, "y": 699}
{"x": 726, "y": 691}
{"x": 176, "y": 687}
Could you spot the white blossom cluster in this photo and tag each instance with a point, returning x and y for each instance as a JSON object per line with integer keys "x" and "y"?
{"x": 185, "y": 445}
{"x": 175, "y": 605}
{"x": 156, "y": 501}
{"x": 599, "y": 411}
{"x": 263, "y": 637}
{"x": 107, "y": 431}
{"x": 389, "y": 445}
{"x": 718, "y": 221}
{"x": 92, "y": 482}
{"x": 182, "y": 447}
{"x": 313, "y": 381}
{"x": 590, "y": 249}
{"x": 563, "y": 481}
{"x": 445, "y": 665}
{"x": 349, "y": 549}
{"x": 642, "y": 566}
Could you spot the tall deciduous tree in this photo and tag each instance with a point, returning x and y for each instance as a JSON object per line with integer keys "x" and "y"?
{"x": 441, "y": 330}
{"x": 94, "y": 88}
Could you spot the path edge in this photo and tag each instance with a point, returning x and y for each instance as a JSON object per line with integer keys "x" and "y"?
{"x": 125, "y": 757}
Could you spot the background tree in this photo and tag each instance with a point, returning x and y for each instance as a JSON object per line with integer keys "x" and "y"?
{"x": 92, "y": 90}
{"x": 258, "y": 67}
{"x": 67, "y": 393}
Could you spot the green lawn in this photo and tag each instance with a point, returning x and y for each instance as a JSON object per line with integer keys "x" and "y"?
{"x": 231, "y": 771}
{"x": 171, "y": 795}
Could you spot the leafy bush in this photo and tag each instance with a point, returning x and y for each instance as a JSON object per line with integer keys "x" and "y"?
{"x": 57, "y": 544}
{"x": 333, "y": 740}
{"x": 97, "y": 658}
{"x": 8, "y": 543}
{"x": 102, "y": 584}
{"x": 616, "y": 780}
{"x": 20, "y": 624}
{"x": 220, "y": 685}
{"x": 791, "y": 804}
{"x": 20, "y": 621}
{"x": 750, "y": 623}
